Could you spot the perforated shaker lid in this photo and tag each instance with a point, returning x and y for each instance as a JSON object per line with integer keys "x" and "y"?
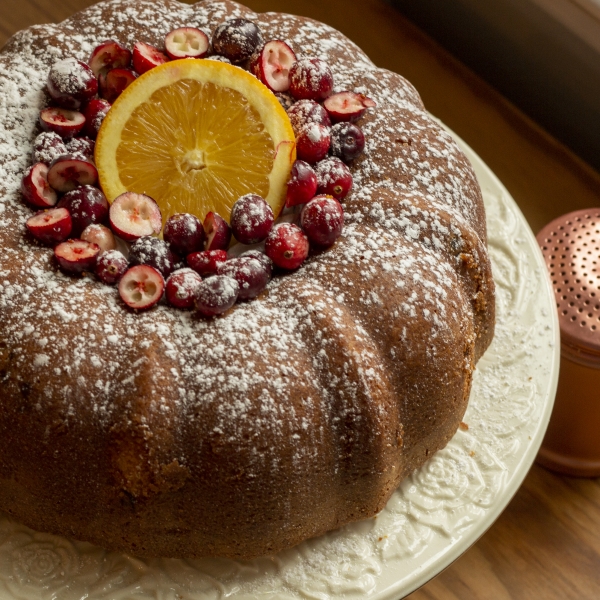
{"x": 571, "y": 247}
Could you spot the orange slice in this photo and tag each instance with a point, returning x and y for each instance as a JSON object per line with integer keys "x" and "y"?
{"x": 196, "y": 135}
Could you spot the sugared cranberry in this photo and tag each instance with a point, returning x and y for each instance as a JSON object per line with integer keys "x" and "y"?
{"x": 101, "y": 235}
{"x": 184, "y": 233}
{"x": 50, "y": 226}
{"x": 311, "y": 78}
{"x": 272, "y": 64}
{"x": 251, "y": 219}
{"x": 134, "y": 215}
{"x": 111, "y": 266}
{"x": 71, "y": 83}
{"x": 347, "y": 141}
{"x": 287, "y": 246}
{"x": 182, "y": 287}
{"x": 76, "y": 256}
{"x": 48, "y": 146}
{"x": 186, "y": 42}
{"x": 302, "y": 185}
{"x": 151, "y": 251}
{"x": 94, "y": 114}
{"x": 333, "y": 177}
{"x": 71, "y": 171}
{"x": 87, "y": 204}
{"x": 35, "y": 187}
{"x": 67, "y": 123}
{"x": 206, "y": 263}
{"x": 82, "y": 146}
{"x": 261, "y": 257}
{"x": 347, "y": 106}
{"x": 250, "y": 274}
{"x": 141, "y": 287}
{"x": 322, "y": 219}
{"x": 216, "y": 295}
{"x": 312, "y": 143}
{"x": 109, "y": 55}
{"x": 236, "y": 39}
{"x": 146, "y": 57}
{"x": 305, "y": 112}
{"x": 114, "y": 83}
{"x": 218, "y": 232}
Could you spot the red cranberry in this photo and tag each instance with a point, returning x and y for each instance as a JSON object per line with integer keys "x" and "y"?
{"x": 207, "y": 262}
{"x": 347, "y": 106}
{"x": 109, "y": 55}
{"x": 94, "y": 114}
{"x": 216, "y": 295}
{"x": 251, "y": 219}
{"x": 111, "y": 266}
{"x": 304, "y": 112}
{"x": 48, "y": 146}
{"x": 50, "y": 226}
{"x": 182, "y": 287}
{"x": 134, "y": 215}
{"x": 302, "y": 185}
{"x": 261, "y": 257}
{"x": 70, "y": 171}
{"x": 83, "y": 147}
{"x": 87, "y": 205}
{"x": 146, "y": 57}
{"x": 184, "y": 234}
{"x": 218, "y": 232}
{"x": 347, "y": 141}
{"x": 287, "y": 246}
{"x": 311, "y": 78}
{"x": 36, "y": 189}
{"x": 141, "y": 287}
{"x": 101, "y": 235}
{"x": 322, "y": 219}
{"x": 236, "y": 39}
{"x": 272, "y": 65}
{"x": 312, "y": 143}
{"x": 334, "y": 178}
{"x": 250, "y": 273}
{"x": 151, "y": 251}
{"x": 67, "y": 123}
{"x": 186, "y": 42}
{"x": 114, "y": 83}
{"x": 76, "y": 256}
{"x": 71, "y": 83}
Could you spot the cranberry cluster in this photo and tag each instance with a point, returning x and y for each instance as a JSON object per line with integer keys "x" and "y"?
{"x": 86, "y": 231}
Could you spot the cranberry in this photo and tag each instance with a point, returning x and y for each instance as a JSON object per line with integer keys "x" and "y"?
{"x": 111, "y": 266}
{"x": 94, "y": 114}
{"x": 151, "y": 251}
{"x": 287, "y": 246}
{"x": 186, "y": 42}
{"x": 76, "y": 256}
{"x": 251, "y": 219}
{"x": 47, "y": 147}
{"x": 114, "y": 83}
{"x": 141, "y": 287}
{"x": 216, "y": 295}
{"x": 218, "y": 232}
{"x": 311, "y": 78}
{"x": 236, "y": 39}
{"x": 207, "y": 262}
{"x": 87, "y": 205}
{"x": 334, "y": 178}
{"x": 182, "y": 287}
{"x": 184, "y": 233}
{"x": 312, "y": 143}
{"x": 322, "y": 219}
{"x": 134, "y": 215}
{"x": 347, "y": 141}
{"x": 272, "y": 65}
{"x": 82, "y": 147}
{"x": 36, "y": 189}
{"x": 67, "y": 123}
{"x": 261, "y": 257}
{"x": 347, "y": 106}
{"x": 71, "y": 83}
{"x": 101, "y": 235}
{"x": 146, "y": 57}
{"x": 302, "y": 185}
{"x": 304, "y": 112}
{"x": 249, "y": 272}
{"x": 109, "y": 55}
{"x": 50, "y": 226}
{"x": 71, "y": 171}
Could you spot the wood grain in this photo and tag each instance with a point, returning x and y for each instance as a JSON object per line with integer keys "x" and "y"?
{"x": 546, "y": 545}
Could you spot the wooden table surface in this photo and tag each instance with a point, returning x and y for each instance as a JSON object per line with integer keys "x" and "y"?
{"x": 546, "y": 544}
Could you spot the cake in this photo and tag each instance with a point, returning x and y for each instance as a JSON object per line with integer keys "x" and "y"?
{"x": 163, "y": 434}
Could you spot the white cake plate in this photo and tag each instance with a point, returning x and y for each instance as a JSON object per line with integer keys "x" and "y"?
{"x": 433, "y": 517}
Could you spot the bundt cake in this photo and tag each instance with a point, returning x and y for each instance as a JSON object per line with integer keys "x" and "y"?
{"x": 164, "y": 434}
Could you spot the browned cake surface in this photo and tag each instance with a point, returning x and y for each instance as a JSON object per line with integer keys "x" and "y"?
{"x": 163, "y": 434}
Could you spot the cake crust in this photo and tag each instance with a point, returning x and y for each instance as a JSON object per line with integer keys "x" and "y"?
{"x": 161, "y": 434}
